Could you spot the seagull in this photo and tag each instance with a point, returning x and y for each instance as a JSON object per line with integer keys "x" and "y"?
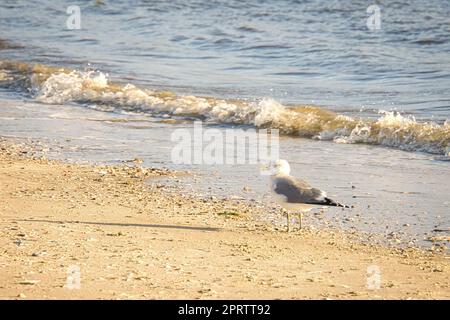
{"x": 294, "y": 194}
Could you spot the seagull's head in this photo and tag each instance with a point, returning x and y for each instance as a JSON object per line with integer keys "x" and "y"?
{"x": 277, "y": 167}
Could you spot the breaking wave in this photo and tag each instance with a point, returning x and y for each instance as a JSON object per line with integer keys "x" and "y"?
{"x": 58, "y": 86}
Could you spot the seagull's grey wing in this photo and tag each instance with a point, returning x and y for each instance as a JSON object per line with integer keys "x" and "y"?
{"x": 297, "y": 191}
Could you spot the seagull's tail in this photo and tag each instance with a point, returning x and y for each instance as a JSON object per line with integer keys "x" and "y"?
{"x": 332, "y": 203}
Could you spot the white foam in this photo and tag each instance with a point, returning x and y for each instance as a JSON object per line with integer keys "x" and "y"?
{"x": 391, "y": 129}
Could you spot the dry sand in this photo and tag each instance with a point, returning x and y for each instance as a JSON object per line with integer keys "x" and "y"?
{"x": 131, "y": 239}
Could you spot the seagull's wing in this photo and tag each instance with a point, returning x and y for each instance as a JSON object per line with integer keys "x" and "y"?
{"x": 295, "y": 190}
{"x": 299, "y": 191}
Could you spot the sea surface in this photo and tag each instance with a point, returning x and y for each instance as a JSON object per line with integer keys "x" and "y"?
{"x": 363, "y": 114}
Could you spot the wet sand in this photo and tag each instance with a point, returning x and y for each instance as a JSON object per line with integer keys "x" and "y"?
{"x": 131, "y": 239}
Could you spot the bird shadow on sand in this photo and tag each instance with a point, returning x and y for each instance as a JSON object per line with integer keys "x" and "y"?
{"x": 163, "y": 226}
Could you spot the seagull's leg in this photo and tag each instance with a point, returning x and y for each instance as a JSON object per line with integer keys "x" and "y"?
{"x": 300, "y": 219}
{"x": 288, "y": 221}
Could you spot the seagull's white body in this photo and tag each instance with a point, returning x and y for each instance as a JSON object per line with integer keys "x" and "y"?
{"x": 281, "y": 200}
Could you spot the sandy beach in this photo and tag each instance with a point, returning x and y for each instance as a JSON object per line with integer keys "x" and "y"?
{"x": 130, "y": 239}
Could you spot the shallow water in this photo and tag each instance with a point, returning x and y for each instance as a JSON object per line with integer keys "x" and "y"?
{"x": 318, "y": 52}
{"x": 138, "y": 70}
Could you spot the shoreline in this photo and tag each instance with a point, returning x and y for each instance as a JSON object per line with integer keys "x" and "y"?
{"x": 132, "y": 240}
